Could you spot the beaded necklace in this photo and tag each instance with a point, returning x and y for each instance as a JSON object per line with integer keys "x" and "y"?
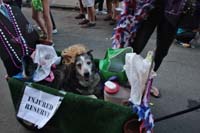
{"x": 17, "y": 30}
{"x": 3, "y": 40}
{"x": 19, "y": 39}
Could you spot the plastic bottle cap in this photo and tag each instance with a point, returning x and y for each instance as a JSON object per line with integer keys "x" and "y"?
{"x": 111, "y": 87}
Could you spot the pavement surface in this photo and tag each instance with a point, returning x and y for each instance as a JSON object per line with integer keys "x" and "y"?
{"x": 178, "y": 77}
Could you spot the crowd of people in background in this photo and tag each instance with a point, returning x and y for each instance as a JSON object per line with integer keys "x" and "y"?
{"x": 89, "y": 9}
{"x": 88, "y": 12}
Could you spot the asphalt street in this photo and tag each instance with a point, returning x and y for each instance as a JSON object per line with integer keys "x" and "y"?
{"x": 178, "y": 77}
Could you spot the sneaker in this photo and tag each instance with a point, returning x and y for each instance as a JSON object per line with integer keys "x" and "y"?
{"x": 101, "y": 12}
{"x": 85, "y": 21}
{"x": 88, "y": 25}
{"x": 186, "y": 45}
{"x": 38, "y": 28}
{"x": 80, "y": 16}
{"x": 54, "y": 31}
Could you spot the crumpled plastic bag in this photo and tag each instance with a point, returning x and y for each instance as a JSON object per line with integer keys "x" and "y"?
{"x": 137, "y": 70}
{"x": 113, "y": 64}
{"x": 45, "y": 56}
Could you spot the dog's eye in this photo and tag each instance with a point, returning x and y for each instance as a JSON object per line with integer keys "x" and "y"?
{"x": 79, "y": 65}
{"x": 88, "y": 62}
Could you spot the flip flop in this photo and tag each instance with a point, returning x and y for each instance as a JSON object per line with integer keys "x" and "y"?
{"x": 155, "y": 92}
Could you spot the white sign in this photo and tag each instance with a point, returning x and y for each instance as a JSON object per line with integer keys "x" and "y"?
{"x": 38, "y": 107}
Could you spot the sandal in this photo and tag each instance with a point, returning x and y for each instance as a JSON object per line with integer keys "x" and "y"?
{"x": 155, "y": 92}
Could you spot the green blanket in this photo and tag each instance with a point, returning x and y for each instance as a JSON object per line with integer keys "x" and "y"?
{"x": 78, "y": 114}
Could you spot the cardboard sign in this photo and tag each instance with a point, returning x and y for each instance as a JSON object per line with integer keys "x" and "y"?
{"x": 38, "y": 107}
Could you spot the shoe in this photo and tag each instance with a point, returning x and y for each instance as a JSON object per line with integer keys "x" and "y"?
{"x": 155, "y": 92}
{"x": 80, "y": 16}
{"x": 54, "y": 31}
{"x": 101, "y": 12}
{"x": 88, "y": 25}
{"x": 107, "y": 18}
{"x": 186, "y": 45}
{"x": 85, "y": 21}
{"x": 38, "y": 28}
{"x": 113, "y": 22}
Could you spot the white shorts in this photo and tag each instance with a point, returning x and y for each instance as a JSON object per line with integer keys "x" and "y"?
{"x": 88, "y": 3}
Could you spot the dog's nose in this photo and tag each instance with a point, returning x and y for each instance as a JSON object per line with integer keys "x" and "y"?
{"x": 86, "y": 74}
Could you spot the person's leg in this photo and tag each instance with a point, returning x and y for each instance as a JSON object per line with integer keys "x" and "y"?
{"x": 165, "y": 36}
{"x": 100, "y": 6}
{"x": 143, "y": 34}
{"x": 91, "y": 17}
{"x": 38, "y": 18}
{"x": 109, "y": 10}
{"x": 85, "y": 20}
{"x": 82, "y": 9}
{"x": 47, "y": 19}
{"x": 115, "y": 4}
{"x": 91, "y": 13}
{"x": 81, "y": 15}
{"x": 145, "y": 31}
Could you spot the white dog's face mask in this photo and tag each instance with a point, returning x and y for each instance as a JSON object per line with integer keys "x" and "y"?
{"x": 84, "y": 66}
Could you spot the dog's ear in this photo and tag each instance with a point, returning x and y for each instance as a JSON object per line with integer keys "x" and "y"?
{"x": 90, "y": 53}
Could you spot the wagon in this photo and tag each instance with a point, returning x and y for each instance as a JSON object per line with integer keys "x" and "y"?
{"x": 79, "y": 114}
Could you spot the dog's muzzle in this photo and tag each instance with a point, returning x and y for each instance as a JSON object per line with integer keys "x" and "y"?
{"x": 86, "y": 76}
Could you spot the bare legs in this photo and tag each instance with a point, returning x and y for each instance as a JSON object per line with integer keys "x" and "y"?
{"x": 43, "y": 19}
{"x": 91, "y": 14}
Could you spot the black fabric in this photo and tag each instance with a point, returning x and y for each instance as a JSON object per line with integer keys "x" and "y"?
{"x": 14, "y": 2}
{"x": 165, "y": 33}
{"x": 29, "y": 34}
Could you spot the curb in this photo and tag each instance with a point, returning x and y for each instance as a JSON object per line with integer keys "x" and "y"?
{"x": 56, "y": 6}
{"x": 65, "y": 7}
